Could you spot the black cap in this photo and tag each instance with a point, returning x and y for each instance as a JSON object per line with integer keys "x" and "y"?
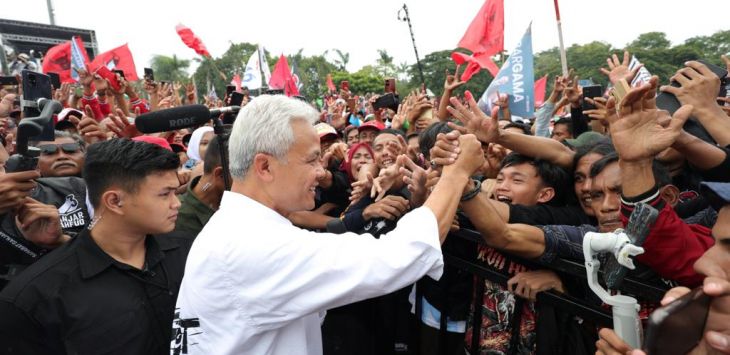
{"x": 717, "y": 193}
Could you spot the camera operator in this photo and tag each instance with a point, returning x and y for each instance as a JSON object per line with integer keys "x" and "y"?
{"x": 714, "y": 265}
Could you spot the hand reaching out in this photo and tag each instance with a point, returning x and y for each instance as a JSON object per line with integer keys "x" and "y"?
{"x": 452, "y": 81}
{"x": 475, "y": 121}
{"x": 414, "y": 177}
{"x": 618, "y": 70}
{"x": 638, "y": 120}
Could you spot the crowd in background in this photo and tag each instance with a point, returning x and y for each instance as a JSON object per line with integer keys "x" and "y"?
{"x": 580, "y": 165}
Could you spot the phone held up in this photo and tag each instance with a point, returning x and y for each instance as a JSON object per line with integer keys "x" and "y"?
{"x": 678, "y": 327}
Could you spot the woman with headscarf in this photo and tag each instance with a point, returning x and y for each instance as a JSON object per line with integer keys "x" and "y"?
{"x": 198, "y": 145}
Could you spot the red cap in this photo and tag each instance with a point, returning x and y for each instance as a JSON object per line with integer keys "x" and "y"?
{"x": 153, "y": 140}
{"x": 376, "y": 125}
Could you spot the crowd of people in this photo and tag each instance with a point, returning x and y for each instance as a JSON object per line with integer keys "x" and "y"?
{"x": 130, "y": 243}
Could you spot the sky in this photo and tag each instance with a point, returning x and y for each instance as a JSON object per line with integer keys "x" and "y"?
{"x": 363, "y": 27}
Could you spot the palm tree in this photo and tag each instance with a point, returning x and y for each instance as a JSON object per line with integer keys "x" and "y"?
{"x": 170, "y": 68}
{"x": 341, "y": 62}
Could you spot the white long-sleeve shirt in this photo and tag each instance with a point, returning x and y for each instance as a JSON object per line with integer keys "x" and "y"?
{"x": 255, "y": 284}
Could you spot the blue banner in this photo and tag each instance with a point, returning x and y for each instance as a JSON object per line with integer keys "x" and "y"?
{"x": 515, "y": 78}
{"x": 77, "y": 58}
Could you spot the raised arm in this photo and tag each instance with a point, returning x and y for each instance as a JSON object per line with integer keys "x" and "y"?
{"x": 699, "y": 88}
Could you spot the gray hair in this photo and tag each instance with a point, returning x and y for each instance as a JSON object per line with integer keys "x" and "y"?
{"x": 264, "y": 126}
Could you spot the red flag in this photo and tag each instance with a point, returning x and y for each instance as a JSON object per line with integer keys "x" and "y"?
{"x": 330, "y": 84}
{"x": 281, "y": 78}
{"x": 119, "y": 58}
{"x": 485, "y": 38}
{"x": 540, "y": 85}
{"x": 191, "y": 40}
{"x": 474, "y": 64}
{"x": 58, "y": 60}
{"x": 486, "y": 32}
{"x": 236, "y": 81}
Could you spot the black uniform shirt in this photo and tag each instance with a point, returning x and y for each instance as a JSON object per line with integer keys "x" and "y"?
{"x": 79, "y": 300}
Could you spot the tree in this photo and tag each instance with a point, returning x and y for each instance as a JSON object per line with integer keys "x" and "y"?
{"x": 313, "y": 73}
{"x": 170, "y": 68}
{"x": 385, "y": 65}
{"x": 363, "y": 81}
{"x": 220, "y": 71}
{"x": 342, "y": 59}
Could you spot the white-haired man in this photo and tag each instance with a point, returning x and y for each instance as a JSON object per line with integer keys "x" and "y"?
{"x": 256, "y": 284}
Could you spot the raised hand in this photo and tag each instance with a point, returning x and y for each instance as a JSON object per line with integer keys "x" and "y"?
{"x": 502, "y": 100}
{"x": 85, "y": 77}
{"x": 386, "y": 179}
{"x": 573, "y": 92}
{"x": 120, "y": 125}
{"x": 88, "y": 127}
{"x": 452, "y": 82}
{"x": 445, "y": 150}
{"x": 618, "y": 70}
{"x": 474, "y": 121}
{"x": 15, "y": 187}
{"x": 640, "y": 131}
{"x": 40, "y": 223}
{"x": 471, "y": 157}
{"x": 415, "y": 178}
{"x": 699, "y": 86}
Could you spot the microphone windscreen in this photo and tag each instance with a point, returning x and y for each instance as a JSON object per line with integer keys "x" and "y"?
{"x": 172, "y": 119}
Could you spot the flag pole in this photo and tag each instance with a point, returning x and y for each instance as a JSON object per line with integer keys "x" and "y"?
{"x": 563, "y": 59}
{"x": 407, "y": 18}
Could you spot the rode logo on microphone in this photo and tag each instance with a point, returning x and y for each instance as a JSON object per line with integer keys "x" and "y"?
{"x": 182, "y": 122}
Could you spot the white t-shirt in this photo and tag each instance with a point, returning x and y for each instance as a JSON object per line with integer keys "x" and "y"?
{"x": 256, "y": 284}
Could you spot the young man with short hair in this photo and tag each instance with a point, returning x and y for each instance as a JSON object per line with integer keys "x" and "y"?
{"x": 112, "y": 289}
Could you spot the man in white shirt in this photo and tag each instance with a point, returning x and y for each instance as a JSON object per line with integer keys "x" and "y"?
{"x": 256, "y": 284}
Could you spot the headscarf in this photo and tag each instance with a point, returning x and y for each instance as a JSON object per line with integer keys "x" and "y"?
{"x": 346, "y": 165}
{"x": 194, "y": 144}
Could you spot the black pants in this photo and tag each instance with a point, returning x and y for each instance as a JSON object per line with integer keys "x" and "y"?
{"x": 430, "y": 340}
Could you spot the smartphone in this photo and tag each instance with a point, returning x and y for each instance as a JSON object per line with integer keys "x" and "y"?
{"x": 107, "y": 74}
{"x": 236, "y": 99}
{"x": 8, "y": 80}
{"x": 669, "y": 102}
{"x": 55, "y": 80}
{"x": 591, "y": 92}
{"x": 149, "y": 74}
{"x": 120, "y": 72}
{"x": 390, "y": 85}
{"x": 345, "y": 85}
{"x": 388, "y": 100}
{"x": 36, "y": 86}
{"x": 678, "y": 327}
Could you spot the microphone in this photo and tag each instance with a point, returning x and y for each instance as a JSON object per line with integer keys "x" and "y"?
{"x": 228, "y": 109}
{"x": 172, "y": 119}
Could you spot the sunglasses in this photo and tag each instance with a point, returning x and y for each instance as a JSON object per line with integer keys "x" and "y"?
{"x": 68, "y": 148}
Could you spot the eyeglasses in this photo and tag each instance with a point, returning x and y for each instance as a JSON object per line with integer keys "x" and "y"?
{"x": 68, "y": 148}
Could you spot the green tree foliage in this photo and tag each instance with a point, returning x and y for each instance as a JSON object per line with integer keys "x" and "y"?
{"x": 170, "y": 68}
{"x": 365, "y": 80}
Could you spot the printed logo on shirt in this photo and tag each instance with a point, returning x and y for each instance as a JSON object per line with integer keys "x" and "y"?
{"x": 181, "y": 329}
{"x": 72, "y": 215}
